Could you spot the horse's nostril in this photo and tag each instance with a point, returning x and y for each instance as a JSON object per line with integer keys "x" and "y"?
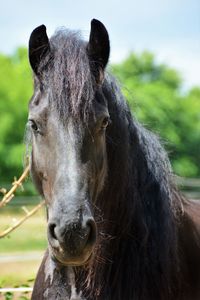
{"x": 52, "y": 233}
{"x": 74, "y": 238}
{"x": 92, "y": 232}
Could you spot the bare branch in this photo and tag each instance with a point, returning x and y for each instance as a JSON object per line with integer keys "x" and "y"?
{"x": 22, "y": 220}
{"x": 8, "y": 196}
{"x": 17, "y": 183}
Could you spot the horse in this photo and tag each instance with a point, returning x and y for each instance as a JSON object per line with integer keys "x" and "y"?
{"x": 117, "y": 226}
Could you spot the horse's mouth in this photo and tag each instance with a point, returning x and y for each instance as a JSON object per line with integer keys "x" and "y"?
{"x": 65, "y": 260}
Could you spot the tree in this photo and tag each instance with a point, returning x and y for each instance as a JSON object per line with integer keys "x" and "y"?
{"x": 155, "y": 97}
{"x": 15, "y": 92}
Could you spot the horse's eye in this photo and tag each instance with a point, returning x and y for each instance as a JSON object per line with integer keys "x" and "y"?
{"x": 106, "y": 121}
{"x": 33, "y": 125}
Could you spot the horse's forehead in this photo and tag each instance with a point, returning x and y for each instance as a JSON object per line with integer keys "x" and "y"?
{"x": 45, "y": 111}
{"x": 66, "y": 134}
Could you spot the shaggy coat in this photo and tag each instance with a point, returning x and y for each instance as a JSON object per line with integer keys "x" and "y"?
{"x": 148, "y": 245}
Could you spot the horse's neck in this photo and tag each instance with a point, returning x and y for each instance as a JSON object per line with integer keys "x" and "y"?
{"x": 54, "y": 283}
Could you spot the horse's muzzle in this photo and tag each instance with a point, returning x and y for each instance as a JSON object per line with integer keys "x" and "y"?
{"x": 73, "y": 243}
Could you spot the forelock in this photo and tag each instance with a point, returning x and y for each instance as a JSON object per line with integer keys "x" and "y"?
{"x": 68, "y": 75}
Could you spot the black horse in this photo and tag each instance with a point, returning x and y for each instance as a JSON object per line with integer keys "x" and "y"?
{"x": 117, "y": 227}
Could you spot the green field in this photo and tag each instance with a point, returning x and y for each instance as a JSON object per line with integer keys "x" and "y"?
{"x": 22, "y": 250}
{"x": 30, "y": 236}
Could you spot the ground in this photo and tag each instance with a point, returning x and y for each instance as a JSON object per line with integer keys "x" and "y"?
{"x": 21, "y": 252}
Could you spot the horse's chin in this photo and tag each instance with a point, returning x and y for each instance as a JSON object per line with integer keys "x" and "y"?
{"x": 63, "y": 260}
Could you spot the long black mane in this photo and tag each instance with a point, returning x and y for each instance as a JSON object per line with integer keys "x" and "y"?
{"x": 140, "y": 209}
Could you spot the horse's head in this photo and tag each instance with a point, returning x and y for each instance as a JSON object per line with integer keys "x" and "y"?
{"x": 68, "y": 117}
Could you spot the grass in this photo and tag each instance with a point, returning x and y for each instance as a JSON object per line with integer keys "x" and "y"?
{"x": 29, "y": 237}
{"x": 18, "y": 273}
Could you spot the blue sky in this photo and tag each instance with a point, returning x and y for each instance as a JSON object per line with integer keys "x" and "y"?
{"x": 169, "y": 28}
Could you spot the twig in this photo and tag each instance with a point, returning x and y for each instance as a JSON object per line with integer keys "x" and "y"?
{"x": 10, "y": 194}
{"x": 28, "y": 215}
{"x": 8, "y": 197}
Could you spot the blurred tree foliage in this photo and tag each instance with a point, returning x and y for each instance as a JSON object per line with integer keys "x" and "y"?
{"x": 155, "y": 97}
{"x": 15, "y": 92}
{"x": 154, "y": 94}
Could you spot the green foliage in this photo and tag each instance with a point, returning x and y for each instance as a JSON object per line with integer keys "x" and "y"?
{"x": 15, "y": 92}
{"x": 9, "y": 296}
{"x": 154, "y": 94}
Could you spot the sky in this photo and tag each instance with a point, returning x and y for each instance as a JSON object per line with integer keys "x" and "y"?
{"x": 168, "y": 28}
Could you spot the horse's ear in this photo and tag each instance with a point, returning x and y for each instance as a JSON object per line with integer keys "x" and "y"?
{"x": 98, "y": 48}
{"x": 38, "y": 46}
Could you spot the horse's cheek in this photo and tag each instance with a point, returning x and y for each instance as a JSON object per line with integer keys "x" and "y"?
{"x": 47, "y": 190}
